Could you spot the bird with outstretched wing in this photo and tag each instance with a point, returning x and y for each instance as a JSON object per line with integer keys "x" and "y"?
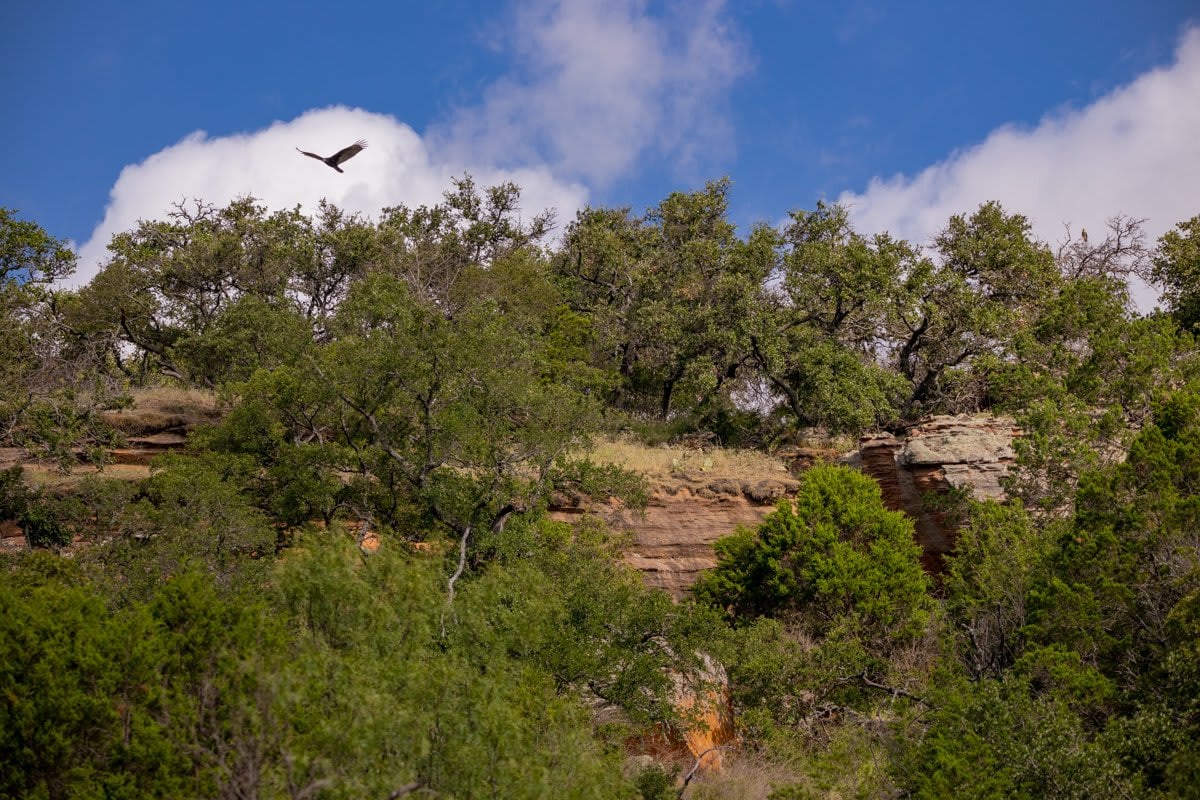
{"x": 340, "y": 157}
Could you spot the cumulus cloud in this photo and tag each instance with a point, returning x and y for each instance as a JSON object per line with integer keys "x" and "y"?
{"x": 1135, "y": 151}
{"x": 597, "y": 84}
{"x": 601, "y": 82}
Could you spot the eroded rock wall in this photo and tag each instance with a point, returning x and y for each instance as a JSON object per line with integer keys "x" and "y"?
{"x": 965, "y": 452}
{"x": 671, "y": 541}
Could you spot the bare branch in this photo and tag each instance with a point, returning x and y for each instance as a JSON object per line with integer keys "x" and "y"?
{"x": 1123, "y": 251}
{"x": 462, "y": 563}
{"x": 695, "y": 767}
{"x": 894, "y": 691}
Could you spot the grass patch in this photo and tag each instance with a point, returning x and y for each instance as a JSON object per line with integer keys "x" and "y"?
{"x": 745, "y": 777}
{"x": 44, "y": 476}
{"x": 667, "y": 463}
{"x": 157, "y": 409}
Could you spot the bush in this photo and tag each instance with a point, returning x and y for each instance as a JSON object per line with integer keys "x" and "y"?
{"x": 43, "y": 528}
{"x": 835, "y": 558}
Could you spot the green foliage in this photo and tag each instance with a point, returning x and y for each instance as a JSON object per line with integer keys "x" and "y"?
{"x": 1157, "y": 742}
{"x": 1001, "y": 556}
{"x": 28, "y": 255}
{"x": 655, "y": 783}
{"x": 456, "y": 419}
{"x": 447, "y": 253}
{"x": 14, "y": 495}
{"x": 249, "y": 334}
{"x": 51, "y": 380}
{"x": 669, "y": 295}
{"x": 827, "y": 384}
{"x": 999, "y": 739}
{"x": 470, "y": 714}
{"x": 830, "y": 605}
{"x": 862, "y": 333}
{"x": 1176, "y": 267}
{"x": 191, "y": 693}
{"x": 277, "y": 421}
{"x": 33, "y": 512}
{"x": 833, "y": 558}
{"x": 583, "y": 479}
{"x": 814, "y": 339}
{"x": 1077, "y": 629}
{"x": 1130, "y": 554}
{"x": 847, "y": 761}
{"x": 155, "y": 700}
{"x": 1088, "y": 376}
{"x": 990, "y": 281}
{"x": 92, "y": 510}
{"x": 593, "y": 626}
{"x": 42, "y": 528}
{"x": 65, "y": 428}
{"x": 191, "y": 514}
{"x": 171, "y": 284}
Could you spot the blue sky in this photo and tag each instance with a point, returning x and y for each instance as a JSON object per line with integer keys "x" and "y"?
{"x": 1069, "y": 111}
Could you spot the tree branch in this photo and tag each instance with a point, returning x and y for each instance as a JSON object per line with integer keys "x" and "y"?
{"x": 695, "y": 767}
{"x": 894, "y": 691}
{"x": 462, "y": 563}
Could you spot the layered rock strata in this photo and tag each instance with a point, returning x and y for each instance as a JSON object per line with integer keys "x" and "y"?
{"x": 969, "y": 453}
{"x": 671, "y": 541}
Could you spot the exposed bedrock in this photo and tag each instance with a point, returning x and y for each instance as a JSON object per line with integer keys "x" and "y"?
{"x": 971, "y": 453}
{"x": 671, "y": 542}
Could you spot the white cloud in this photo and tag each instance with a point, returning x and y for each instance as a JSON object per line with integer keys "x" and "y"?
{"x": 603, "y": 82}
{"x": 1135, "y": 151}
{"x": 599, "y": 85}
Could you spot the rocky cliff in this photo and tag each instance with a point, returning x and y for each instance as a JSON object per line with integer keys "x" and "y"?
{"x": 971, "y": 453}
{"x": 671, "y": 542}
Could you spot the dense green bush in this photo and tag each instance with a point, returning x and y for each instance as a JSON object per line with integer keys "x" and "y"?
{"x": 833, "y": 559}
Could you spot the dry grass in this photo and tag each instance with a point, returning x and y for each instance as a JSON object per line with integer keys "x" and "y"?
{"x": 165, "y": 408}
{"x": 48, "y": 476}
{"x": 745, "y": 777}
{"x": 669, "y": 463}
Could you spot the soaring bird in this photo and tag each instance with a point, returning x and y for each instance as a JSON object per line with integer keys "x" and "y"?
{"x": 340, "y": 157}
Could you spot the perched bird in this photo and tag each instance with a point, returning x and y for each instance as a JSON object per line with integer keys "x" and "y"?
{"x": 340, "y": 157}
{"x": 1083, "y": 234}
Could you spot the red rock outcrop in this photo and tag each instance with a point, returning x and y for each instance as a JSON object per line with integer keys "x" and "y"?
{"x": 943, "y": 453}
{"x": 671, "y": 540}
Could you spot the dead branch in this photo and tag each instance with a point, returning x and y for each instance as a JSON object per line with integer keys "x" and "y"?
{"x": 695, "y": 767}
{"x": 462, "y": 563}
{"x": 894, "y": 691}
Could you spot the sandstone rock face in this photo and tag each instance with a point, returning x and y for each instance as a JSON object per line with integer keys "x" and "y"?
{"x": 966, "y": 452}
{"x": 142, "y": 449}
{"x": 973, "y": 452}
{"x": 12, "y": 538}
{"x": 671, "y": 541}
{"x": 705, "y": 699}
